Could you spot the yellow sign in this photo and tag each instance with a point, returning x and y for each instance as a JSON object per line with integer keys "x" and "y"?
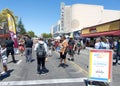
{"x": 11, "y": 24}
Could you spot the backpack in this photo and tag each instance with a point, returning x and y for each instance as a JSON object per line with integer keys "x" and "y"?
{"x": 40, "y": 52}
{"x": 71, "y": 44}
{"x": 78, "y": 44}
{"x": 101, "y": 46}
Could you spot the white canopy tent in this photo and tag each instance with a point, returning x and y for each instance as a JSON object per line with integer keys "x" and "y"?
{"x": 57, "y": 38}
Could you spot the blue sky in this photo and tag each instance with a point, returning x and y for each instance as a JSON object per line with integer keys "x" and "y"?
{"x": 39, "y": 15}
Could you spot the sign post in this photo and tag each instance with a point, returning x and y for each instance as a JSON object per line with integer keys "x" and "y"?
{"x": 100, "y": 65}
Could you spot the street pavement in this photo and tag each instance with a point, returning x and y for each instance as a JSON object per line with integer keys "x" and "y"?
{"x": 73, "y": 74}
{"x": 82, "y": 61}
{"x": 22, "y": 73}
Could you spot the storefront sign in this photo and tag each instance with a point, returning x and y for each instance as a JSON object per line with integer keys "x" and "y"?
{"x": 93, "y": 30}
{"x": 100, "y": 65}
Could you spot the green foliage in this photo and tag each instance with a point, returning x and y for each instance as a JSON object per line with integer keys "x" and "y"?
{"x": 4, "y": 14}
{"x": 21, "y": 28}
{"x": 19, "y": 24}
{"x": 4, "y": 18}
{"x": 50, "y": 35}
{"x": 45, "y": 35}
{"x": 31, "y": 33}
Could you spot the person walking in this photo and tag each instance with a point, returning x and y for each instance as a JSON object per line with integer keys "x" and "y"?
{"x": 41, "y": 53}
{"x": 3, "y": 57}
{"x": 21, "y": 46}
{"x": 117, "y": 51}
{"x": 104, "y": 44}
{"x": 10, "y": 48}
{"x": 28, "y": 49}
{"x": 71, "y": 48}
{"x": 49, "y": 44}
{"x": 97, "y": 43}
{"x": 63, "y": 50}
{"x": 79, "y": 46}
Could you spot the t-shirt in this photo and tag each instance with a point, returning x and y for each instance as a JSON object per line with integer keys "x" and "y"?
{"x": 63, "y": 45}
{"x": 103, "y": 45}
{"x": 29, "y": 43}
{"x": 78, "y": 43}
{"x": 9, "y": 44}
{"x": 71, "y": 44}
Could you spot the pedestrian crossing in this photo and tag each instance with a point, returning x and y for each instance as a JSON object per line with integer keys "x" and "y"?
{"x": 47, "y": 81}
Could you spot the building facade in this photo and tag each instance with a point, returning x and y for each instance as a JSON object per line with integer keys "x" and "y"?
{"x": 78, "y": 16}
{"x": 56, "y": 29}
{"x": 111, "y": 29}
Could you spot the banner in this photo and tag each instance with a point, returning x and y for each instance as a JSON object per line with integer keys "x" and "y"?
{"x": 100, "y": 65}
{"x": 12, "y": 30}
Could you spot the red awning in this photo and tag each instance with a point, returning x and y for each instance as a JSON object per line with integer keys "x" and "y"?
{"x": 4, "y": 35}
{"x": 110, "y": 33}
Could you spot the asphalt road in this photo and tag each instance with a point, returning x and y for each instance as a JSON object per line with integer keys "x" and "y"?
{"x": 74, "y": 74}
{"x": 22, "y": 73}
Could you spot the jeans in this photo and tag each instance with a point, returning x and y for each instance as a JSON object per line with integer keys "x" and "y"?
{"x": 40, "y": 61}
{"x": 28, "y": 54}
{"x": 12, "y": 54}
{"x": 117, "y": 58}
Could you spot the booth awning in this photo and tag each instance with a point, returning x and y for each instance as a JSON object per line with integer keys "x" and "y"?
{"x": 110, "y": 33}
{"x": 4, "y": 35}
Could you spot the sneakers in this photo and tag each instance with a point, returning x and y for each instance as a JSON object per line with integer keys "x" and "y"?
{"x": 42, "y": 71}
{"x": 14, "y": 61}
{"x": 60, "y": 65}
{"x": 71, "y": 59}
{"x": 3, "y": 73}
{"x": 38, "y": 72}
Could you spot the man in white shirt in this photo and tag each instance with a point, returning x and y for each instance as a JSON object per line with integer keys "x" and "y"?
{"x": 41, "y": 60}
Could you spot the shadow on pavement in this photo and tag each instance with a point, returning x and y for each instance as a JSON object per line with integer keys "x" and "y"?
{"x": 12, "y": 62}
{"x": 46, "y": 70}
{"x": 115, "y": 64}
{"x": 43, "y": 71}
{"x": 95, "y": 83}
{"x": 7, "y": 75}
{"x": 63, "y": 65}
{"x": 32, "y": 60}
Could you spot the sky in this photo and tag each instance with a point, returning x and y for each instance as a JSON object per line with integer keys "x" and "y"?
{"x": 39, "y": 15}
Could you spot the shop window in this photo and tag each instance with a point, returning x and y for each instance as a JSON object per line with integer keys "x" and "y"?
{"x": 92, "y": 30}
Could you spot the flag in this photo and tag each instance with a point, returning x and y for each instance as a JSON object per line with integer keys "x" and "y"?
{"x": 12, "y": 29}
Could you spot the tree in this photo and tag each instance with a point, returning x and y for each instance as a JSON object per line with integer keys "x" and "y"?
{"x": 4, "y": 17}
{"x": 1, "y": 18}
{"x": 45, "y": 35}
{"x": 21, "y": 28}
{"x": 50, "y": 35}
{"x": 31, "y": 33}
{"x": 4, "y": 14}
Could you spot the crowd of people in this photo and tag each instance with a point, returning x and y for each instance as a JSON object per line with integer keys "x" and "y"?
{"x": 105, "y": 43}
{"x": 73, "y": 46}
{"x": 44, "y": 49}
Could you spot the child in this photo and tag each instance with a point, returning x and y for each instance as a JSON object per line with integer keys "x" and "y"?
{"x": 4, "y": 59}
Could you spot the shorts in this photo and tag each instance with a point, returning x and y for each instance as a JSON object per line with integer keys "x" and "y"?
{"x": 63, "y": 56}
{"x": 71, "y": 52}
{"x": 4, "y": 61}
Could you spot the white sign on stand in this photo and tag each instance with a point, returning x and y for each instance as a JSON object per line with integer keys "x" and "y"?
{"x": 100, "y": 65}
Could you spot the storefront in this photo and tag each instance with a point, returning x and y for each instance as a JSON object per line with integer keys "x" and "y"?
{"x": 76, "y": 35}
{"x": 3, "y": 35}
{"x": 110, "y": 29}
